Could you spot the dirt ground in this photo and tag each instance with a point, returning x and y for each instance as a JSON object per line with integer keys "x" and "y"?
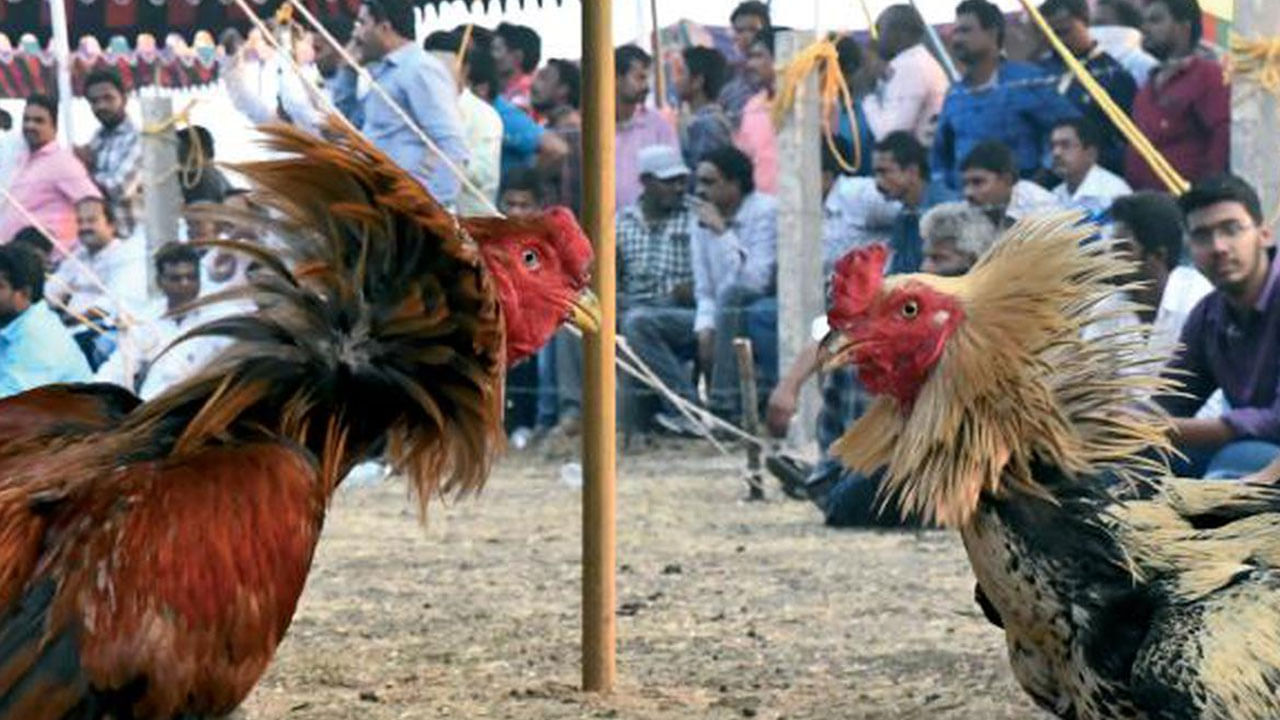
{"x": 727, "y": 609}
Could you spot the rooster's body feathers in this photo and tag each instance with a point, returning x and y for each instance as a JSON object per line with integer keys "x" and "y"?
{"x": 151, "y": 557}
{"x": 1021, "y": 434}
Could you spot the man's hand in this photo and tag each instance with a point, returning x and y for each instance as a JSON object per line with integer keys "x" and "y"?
{"x": 682, "y": 294}
{"x": 85, "y": 155}
{"x": 782, "y": 407}
{"x": 708, "y": 215}
{"x": 706, "y": 351}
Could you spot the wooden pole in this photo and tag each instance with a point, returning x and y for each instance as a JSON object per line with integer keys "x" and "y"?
{"x": 599, "y": 554}
{"x": 159, "y": 182}
{"x": 1255, "y": 125}
{"x": 62, "y": 60}
{"x": 750, "y": 414}
{"x": 659, "y": 73}
{"x": 800, "y": 286}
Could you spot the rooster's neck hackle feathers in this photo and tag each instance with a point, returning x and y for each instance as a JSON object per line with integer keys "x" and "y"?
{"x": 1017, "y": 383}
{"x": 378, "y": 323}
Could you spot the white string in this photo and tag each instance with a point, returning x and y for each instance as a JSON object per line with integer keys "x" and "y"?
{"x": 125, "y": 320}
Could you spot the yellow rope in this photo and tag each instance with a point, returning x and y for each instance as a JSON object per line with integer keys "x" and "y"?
{"x": 871, "y": 23}
{"x": 192, "y": 169}
{"x": 1256, "y": 60}
{"x": 463, "y": 47}
{"x": 1165, "y": 171}
{"x": 831, "y": 86}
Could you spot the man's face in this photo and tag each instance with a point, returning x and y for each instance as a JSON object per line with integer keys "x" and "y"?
{"x": 199, "y": 227}
{"x": 519, "y": 203}
{"x": 682, "y": 81}
{"x": 892, "y": 180}
{"x": 38, "y": 126}
{"x": 1227, "y": 245}
{"x": 546, "y": 93}
{"x": 711, "y": 185}
{"x": 1071, "y": 159}
{"x": 180, "y": 282}
{"x": 760, "y": 65}
{"x": 985, "y": 189}
{"x": 745, "y": 28}
{"x": 970, "y": 41}
{"x": 12, "y": 301}
{"x": 367, "y": 35}
{"x": 92, "y": 226}
{"x": 633, "y": 85}
{"x": 505, "y": 58}
{"x": 942, "y": 258}
{"x": 1073, "y": 32}
{"x": 1161, "y": 34}
{"x": 107, "y": 103}
{"x": 666, "y": 194}
{"x": 1152, "y": 267}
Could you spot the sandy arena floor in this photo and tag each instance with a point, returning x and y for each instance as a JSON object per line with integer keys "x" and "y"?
{"x": 727, "y": 609}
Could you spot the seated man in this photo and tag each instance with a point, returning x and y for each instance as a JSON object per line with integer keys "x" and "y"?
{"x": 735, "y": 262}
{"x": 104, "y": 281}
{"x": 655, "y": 286}
{"x": 138, "y": 363}
{"x": 35, "y": 348}
{"x": 1232, "y": 338}
{"x": 1085, "y": 184}
{"x": 955, "y": 236}
{"x": 991, "y": 184}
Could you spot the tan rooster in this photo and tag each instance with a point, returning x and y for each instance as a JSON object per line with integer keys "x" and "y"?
{"x": 996, "y": 419}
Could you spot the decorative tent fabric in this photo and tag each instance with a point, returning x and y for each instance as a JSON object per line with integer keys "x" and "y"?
{"x": 30, "y": 71}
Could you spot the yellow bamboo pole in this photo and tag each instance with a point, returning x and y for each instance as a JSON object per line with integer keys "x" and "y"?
{"x": 658, "y": 72}
{"x": 599, "y": 554}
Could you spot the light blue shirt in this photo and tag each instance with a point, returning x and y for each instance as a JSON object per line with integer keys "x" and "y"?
{"x": 521, "y": 136}
{"x": 745, "y": 254}
{"x": 36, "y": 349}
{"x": 422, "y": 86}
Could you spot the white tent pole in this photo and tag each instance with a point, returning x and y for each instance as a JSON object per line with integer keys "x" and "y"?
{"x": 62, "y": 56}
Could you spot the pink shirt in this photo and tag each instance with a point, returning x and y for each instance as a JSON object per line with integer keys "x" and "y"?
{"x": 646, "y": 127}
{"x": 48, "y": 183}
{"x": 757, "y": 138}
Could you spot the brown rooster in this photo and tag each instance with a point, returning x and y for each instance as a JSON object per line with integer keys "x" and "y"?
{"x": 995, "y": 418}
{"x": 152, "y": 555}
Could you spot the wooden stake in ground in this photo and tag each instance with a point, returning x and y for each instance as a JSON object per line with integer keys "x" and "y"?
{"x": 160, "y": 190}
{"x": 750, "y": 414}
{"x": 800, "y": 282}
{"x": 1255, "y": 125}
{"x": 599, "y": 491}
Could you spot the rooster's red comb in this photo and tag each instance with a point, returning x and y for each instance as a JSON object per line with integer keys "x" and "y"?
{"x": 573, "y": 244}
{"x": 858, "y": 276}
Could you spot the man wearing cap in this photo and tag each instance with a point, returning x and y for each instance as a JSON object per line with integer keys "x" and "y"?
{"x": 655, "y": 276}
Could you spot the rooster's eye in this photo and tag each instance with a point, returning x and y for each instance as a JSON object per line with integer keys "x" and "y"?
{"x": 910, "y": 309}
{"x": 530, "y": 258}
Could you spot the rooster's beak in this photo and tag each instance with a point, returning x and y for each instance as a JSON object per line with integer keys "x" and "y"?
{"x": 834, "y": 350}
{"x": 585, "y": 312}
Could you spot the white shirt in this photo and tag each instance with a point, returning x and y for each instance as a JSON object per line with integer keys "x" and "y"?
{"x": 482, "y": 128}
{"x": 137, "y": 363}
{"x": 1125, "y": 45}
{"x": 1028, "y": 199}
{"x": 908, "y": 97}
{"x": 122, "y": 268}
{"x": 855, "y": 214}
{"x": 1097, "y": 191}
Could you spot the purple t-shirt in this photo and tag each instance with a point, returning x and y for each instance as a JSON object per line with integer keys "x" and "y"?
{"x": 1239, "y": 352}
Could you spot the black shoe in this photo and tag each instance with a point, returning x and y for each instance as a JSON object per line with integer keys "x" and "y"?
{"x": 792, "y": 474}
{"x": 677, "y": 425}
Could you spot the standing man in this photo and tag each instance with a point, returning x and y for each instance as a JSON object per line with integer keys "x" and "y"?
{"x": 516, "y": 51}
{"x": 747, "y": 20}
{"x": 1013, "y": 102}
{"x": 911, "y": 90}
{"x": 1070, "y": 22}
{"x": 557, "y": 97}
{"x": 50, "y": 179}
{"x": 114, "y": 155}
{"x": 638, "y": 125}
{"x": 1185, "y": 107}
{"x": 419, "y": 83}
{"x": 480, "y": 122}
{"x": 698, "y": 83}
